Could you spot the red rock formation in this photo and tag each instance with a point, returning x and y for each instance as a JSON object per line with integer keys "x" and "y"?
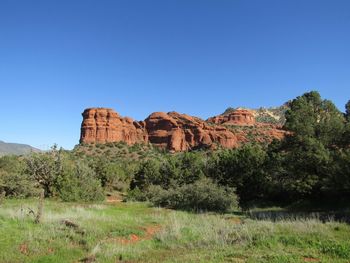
{"x": 102, "y": 125}
{"x": 175, "y": 131}
{"x": 238, "y": 117}
{"x": 258, "y": 132}
{"x": 180, "y": 132}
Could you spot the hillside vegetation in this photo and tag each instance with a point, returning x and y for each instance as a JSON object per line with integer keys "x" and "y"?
{"x": 118, "y": 151}
{"x": 273, "y": 115}
{"x": 311, "y": 163}
{"x": 201, "y": 193}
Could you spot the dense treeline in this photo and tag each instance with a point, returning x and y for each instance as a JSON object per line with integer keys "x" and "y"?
{"x": 312, "y": 162}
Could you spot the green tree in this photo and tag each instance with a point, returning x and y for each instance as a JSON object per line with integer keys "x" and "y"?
{"x": 346, "y": 136}
{"x": 306, "y": 162}
{"x": 13, "y": 181}
{"x": 347, "y": 111}
{"x": 78, "y": 182}
{"x": 337, "y": 183}
{"x": 182, "y": 169}
{"x": 304, "y": 157}
{"x": 310, "y": 116}
{"x": 44, "y": 168}
{"x": 113, "y": 176}
{"x": 147, "y": 174}
{"x": 241, "y": 169}
{"x": 172, "y": 170}
{"x": 192, "y": 167}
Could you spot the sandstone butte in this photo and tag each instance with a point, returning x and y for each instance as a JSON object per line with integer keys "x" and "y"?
{"x": 174, "y": 131}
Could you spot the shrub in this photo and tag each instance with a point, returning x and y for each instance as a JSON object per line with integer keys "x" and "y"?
{"x": 78, "y": 183}
{"x": 2, "y": 197}
{"x": 16, "y": 184}
{"x": 202, "y": 195}
{"x": 136, "y": 195}
{"x": 112, "y": 175}
{"x": 13, "y": 181}
{"x": 184, "y": 168}
{"x": 148, "y": 173}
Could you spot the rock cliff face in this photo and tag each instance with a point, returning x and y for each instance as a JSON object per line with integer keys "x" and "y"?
{"x": 245, "y": 126}
{"x": 236, "y": 117}
{"x": 173, "y": 131}
{"x": 180, "y": 132}
{"x": 102, "y": 125}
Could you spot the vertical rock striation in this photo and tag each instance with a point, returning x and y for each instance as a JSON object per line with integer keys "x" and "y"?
{"x": 173, "y": 131}
{"x": 241, "y": 117}
{"x": 101, "y": 125}
{"x": 181, "y": 132}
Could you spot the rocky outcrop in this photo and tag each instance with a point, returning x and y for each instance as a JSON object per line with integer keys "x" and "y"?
{"x": 244, "y": 124}
{"x": 101, "y": 125}
{"x": 237, "y": 117}
{"x": 174, "y": 131}
{"x": 181, "y": 132}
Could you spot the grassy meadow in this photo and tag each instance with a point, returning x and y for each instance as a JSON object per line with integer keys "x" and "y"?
{"x": 135, "y": 232}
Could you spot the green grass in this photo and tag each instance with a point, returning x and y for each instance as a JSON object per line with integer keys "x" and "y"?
{"x": 135, "y": 232}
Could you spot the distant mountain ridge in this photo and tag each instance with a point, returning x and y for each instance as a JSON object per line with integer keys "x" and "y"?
{"x": 16, "y": 148}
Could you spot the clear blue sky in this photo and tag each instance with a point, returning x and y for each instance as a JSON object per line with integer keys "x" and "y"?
{"x": 196, "y": 57}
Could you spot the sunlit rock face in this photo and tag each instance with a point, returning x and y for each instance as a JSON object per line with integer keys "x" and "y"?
{"x": 101, "y": 125}
{"x": 174, "y": 131}
{"x": 238, "y": 117}
{"x": 181, "y": 132}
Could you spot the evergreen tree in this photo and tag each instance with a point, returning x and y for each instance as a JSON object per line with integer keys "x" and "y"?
{"x": 317, "y": 128}
{"x": 311, "y": 117}
{"x": 241, "y": 169}
{"x": 347, "y": 111}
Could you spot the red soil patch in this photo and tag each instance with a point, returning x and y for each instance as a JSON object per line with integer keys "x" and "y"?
{"x": 308, "y": 259}
{"x": 130, "y": 240}
{"x": 235, "y": 220}
{"x": 23, "y": 248}
{"x": 114, "y": 199}
{"x": 150, "y": 231}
